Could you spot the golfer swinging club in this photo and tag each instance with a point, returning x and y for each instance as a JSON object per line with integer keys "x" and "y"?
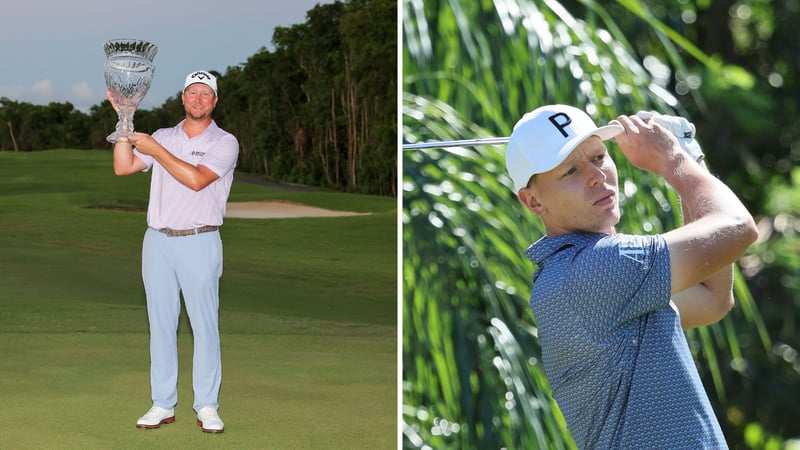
{"x": 611, "y": 307}
{"x": 192, "y": 164}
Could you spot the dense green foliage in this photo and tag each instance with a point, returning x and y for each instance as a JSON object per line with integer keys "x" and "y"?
{"x": 307, "y": 316}
{"x": 471, "y": 374}
{"x": 319, "y": 109}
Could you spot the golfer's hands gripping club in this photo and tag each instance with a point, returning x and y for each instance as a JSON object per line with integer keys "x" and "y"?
{"x": 648, "y": 145}
{"x": 681, "y": 128}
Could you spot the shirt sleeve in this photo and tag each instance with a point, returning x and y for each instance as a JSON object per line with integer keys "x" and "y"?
{"x": 222, "y": 155}
{"x": 147, "y": 159}
{"x": 624, "y": 277}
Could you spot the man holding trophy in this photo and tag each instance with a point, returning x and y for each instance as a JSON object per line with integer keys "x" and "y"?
{"x": 192, "y": 167}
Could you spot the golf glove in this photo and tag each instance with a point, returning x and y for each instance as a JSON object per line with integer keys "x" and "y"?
{"x": 681, "y": 128}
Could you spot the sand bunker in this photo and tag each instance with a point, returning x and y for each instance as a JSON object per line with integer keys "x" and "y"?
{"x": 280, "y": 210}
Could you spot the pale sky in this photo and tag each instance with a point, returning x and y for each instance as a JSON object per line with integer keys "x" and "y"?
{"x": 52, "y": 50}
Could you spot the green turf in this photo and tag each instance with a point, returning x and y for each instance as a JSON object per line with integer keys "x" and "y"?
{"x": 307, "y": 315}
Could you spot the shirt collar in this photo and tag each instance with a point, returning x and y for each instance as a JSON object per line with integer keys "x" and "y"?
{"x": 548, "y": 246}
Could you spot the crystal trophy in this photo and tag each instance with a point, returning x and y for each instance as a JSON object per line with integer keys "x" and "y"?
{"x": 129, "y": 70}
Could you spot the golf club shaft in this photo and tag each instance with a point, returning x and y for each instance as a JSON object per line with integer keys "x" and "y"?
{"x": 457, "y": 143}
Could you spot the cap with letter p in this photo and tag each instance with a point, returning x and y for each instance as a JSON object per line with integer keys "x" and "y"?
{"x": 201, "y": 76}
{"x": 544, "y": 137}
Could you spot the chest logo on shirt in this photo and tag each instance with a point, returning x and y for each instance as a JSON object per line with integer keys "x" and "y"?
{"x": 633, "y": 252}
{"x": 198, "y": 153}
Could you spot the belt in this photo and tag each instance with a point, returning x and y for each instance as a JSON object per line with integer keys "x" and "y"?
{"x": 175, "y": 233}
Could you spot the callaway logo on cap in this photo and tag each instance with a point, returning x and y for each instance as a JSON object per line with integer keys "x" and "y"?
{"x": 546, "y": 136}
{"x": 201, "y": 76}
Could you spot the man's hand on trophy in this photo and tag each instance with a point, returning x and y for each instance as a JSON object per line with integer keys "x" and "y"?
{"x": 111, "y": 100}
{"x": 144, "y": 143}
{"x": 114, "y": 103}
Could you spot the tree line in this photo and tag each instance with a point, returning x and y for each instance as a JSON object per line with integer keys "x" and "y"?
{"x": 319, "y": 109}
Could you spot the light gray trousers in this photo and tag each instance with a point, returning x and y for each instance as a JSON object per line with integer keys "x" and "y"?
{"x": 191, "y": 265}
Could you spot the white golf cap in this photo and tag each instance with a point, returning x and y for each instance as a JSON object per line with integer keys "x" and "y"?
{"x": 544, "y": 137}
{"x": 201, "y": 76}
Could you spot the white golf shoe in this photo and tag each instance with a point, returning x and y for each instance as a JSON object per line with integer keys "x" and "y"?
{"x": 155, "y": 417}
{"x": 208, "y": 420}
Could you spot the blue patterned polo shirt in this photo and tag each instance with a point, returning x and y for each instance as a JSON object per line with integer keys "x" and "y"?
{"x": 612, "y": 345}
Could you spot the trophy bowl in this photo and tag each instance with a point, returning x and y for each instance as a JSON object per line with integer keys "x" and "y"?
{"x": 129, "y": 71}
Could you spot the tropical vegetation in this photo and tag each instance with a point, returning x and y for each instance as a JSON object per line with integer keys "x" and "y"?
{"x": 320, "y": 108}
{"x": 472, "y": 375}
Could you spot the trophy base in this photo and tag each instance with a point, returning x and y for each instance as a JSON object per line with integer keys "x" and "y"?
{"x": 114, "y": 137}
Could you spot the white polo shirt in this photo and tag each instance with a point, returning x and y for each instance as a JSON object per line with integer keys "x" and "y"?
{"x": 173, "y": 205}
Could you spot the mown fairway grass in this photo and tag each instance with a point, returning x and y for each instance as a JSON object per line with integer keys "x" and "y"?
{"x": 307, "y": 315}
